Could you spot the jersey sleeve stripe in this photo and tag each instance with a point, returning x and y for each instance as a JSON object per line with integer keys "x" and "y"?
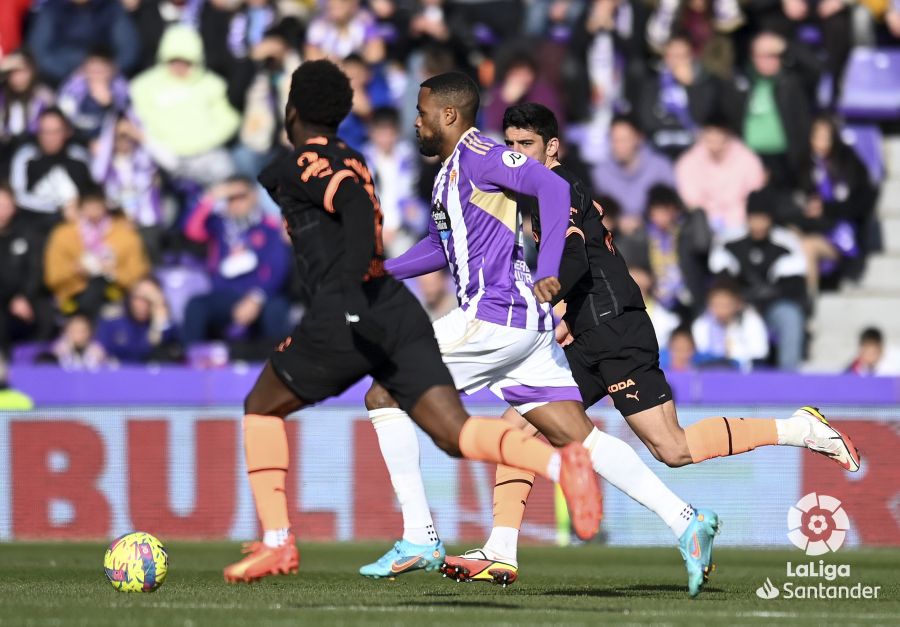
{"x": 332, "y": 188}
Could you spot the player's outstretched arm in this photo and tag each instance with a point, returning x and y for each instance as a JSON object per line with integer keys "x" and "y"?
{"x": 513, "y": 171}
{"x": 423, "y": 258}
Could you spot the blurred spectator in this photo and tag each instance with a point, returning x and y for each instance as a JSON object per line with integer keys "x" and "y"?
{"x": 144, "y": 331}
{"x": 394, "y": 165}
{"x": 131, "y": 180}
{"x": 680, "y": 354}
{"x": 519, "y": 82}
{"x": 630, "y": 171}
{"x": 343, "y": 29}
{"x": 93, "y": 95}
{"x": 65, "y": 30}
{"x": 772, "y": 109}
{"x": 664, "y": 321}
{"x": 76, "y": 348}
{"x": 730, "y": 330}
{"x": 211, "y": 18}
{"x": 23, "y": 313}
{"x": 892, "y": 19}
{"x": 674, "y": 245}
{"x": 674, "y": 103}
{"x": 716, "y": 175}
{"x": 604, "y": 40}
{"x": 840, "y": 197}
{"x": 705, "y": 24}
{"x": 262, "y": 126}
{"x": 428, "y": 23}
{"x": 12, "y": 22}
{"x": 94, "y": 258}
{"x": 249, "y": 25}
{"x": 370, "y": 91}
{"x": 49, "y": 173}
{"x": 22, "y": 100}
{"x": 769, "y": 264}
{"x": 248, "y": 260}
{"x": 824, "y": 23}
{"x": 872, "y": 360}
{"x": 184, "y": 109}
{"x": 436, "y": 293}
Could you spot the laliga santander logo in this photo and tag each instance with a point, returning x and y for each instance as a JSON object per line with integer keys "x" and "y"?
{"x": 818, "y": 524}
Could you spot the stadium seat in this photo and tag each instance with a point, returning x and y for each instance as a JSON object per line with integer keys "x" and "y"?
{"x": 872, "y": 84}
{"x": 28, "y": 352}
{"x": 866, "y": 141}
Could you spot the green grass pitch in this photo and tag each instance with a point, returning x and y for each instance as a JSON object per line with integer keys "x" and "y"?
{"x": 63, "y": 584}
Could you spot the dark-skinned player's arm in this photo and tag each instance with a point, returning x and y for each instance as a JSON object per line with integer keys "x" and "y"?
{"x": 425, "y": 257}
{"x": 513, "y": 171}
{"x": 346, "y": 198}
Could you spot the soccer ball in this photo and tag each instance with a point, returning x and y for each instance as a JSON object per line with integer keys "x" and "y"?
{"x": 136, "y": 562}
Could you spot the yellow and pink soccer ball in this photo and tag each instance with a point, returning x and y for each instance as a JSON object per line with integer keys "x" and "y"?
{"x": 136, "y": 562}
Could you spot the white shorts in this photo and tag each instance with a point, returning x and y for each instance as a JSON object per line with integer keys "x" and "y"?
{"x": 527, "y": 369}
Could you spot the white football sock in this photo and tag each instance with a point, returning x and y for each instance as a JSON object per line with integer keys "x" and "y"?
{"x": 554, "y": 467}
{"x": 276, "y": 537}
{"x": 792, "y": 431}
{"x": 618, "y": 463}
{"x": 503, "y": 543}
{"x": 400, "y": 449}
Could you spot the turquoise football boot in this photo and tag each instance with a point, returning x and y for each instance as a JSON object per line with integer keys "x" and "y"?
{"x": 696, "y": 545}
{"x": 406, "y": 557}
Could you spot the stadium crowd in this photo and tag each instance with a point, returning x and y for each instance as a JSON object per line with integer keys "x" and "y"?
{"x": 131, "y": 132}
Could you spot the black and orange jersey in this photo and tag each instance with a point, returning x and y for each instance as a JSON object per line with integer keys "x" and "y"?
{"x": 595, "y": 281}
{"x": 331, "y": 212}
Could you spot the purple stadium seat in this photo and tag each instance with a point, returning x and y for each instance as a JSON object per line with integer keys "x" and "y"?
{"x": 209, "y": 355}
{"x": 28, "y": 352}
{"x": 872, "y": 84}
{"x": 180, "y": 284}
{"x": 866, "y": 139}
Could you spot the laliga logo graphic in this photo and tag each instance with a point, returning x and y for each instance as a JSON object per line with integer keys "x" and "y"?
{"x": 767, "y": 590}
{"x": 818, "y": 524}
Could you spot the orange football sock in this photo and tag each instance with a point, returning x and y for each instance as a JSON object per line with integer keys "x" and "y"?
{"x": 491, "y": 440}
{"x": 510, "y": 494}
{"x": 266, "y": 451}
{"x": 719, "y": 437}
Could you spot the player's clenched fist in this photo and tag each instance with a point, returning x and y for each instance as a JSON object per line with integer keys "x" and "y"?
{"x": 546, "y": 289}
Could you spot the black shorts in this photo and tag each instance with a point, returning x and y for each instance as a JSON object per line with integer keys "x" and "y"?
{"x": 323, "y": 357}
{"x": 620, "y": 358}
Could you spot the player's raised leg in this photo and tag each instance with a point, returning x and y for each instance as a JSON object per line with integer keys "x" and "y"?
{"x": 675, "y": 446}
{"x": 267, "y": 458}
{"x": 442, "y": 416}
{"x": 419, "y": 548}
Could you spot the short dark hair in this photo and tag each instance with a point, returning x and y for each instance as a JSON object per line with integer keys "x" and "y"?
{"x": 385, "y": 115}
{"x": 321, "y": 94}
{"x": 456, "y": 89}
{"x": 624, "y": 118}
{"x": 871, "y": 335}
{"x": 684, "y": 330}
{"x": 249, "y": 181}
{"x": 719, "y": 120}
{"x": 57, "y": 112}
{"x": 92, "y": 192}
{"x": 534, "y": 117}
{"x": 664, "y": 195}
{"x": 726, "y": 285}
